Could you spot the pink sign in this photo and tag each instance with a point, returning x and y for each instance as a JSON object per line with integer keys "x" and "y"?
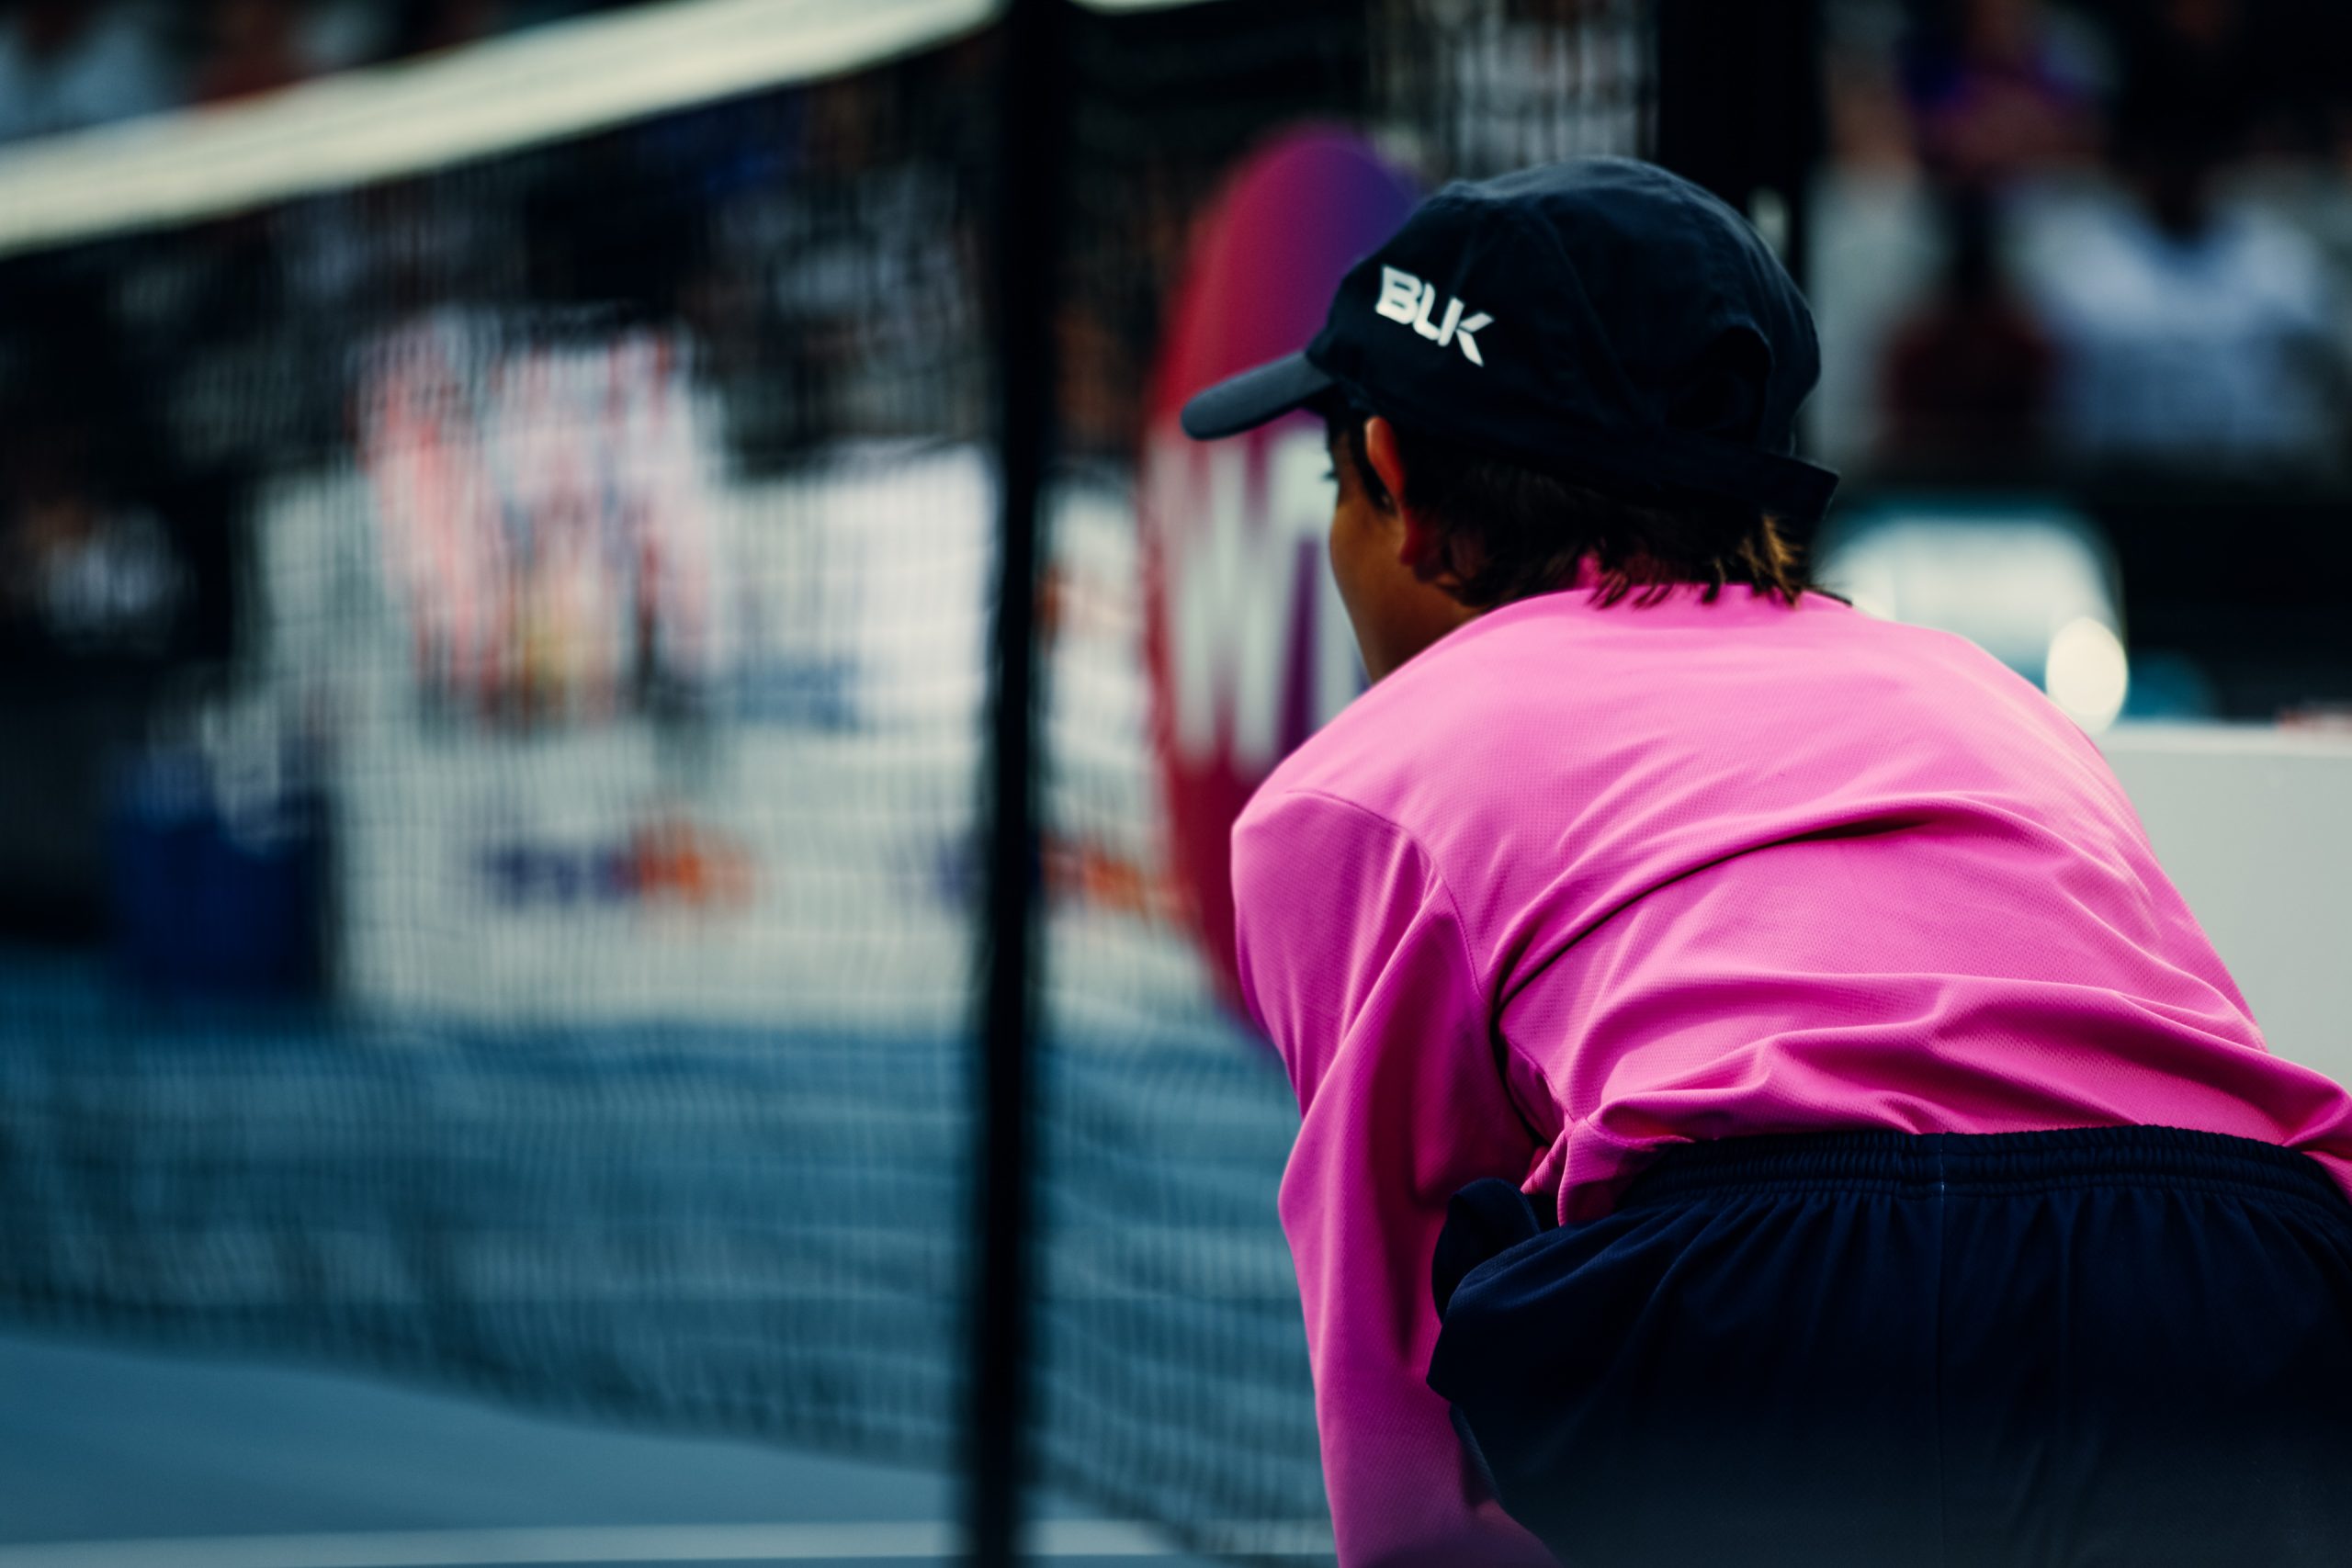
{"x": 1249, "y": 651}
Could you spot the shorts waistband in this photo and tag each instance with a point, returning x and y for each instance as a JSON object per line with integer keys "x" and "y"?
{"x": 1920, "y": 1163}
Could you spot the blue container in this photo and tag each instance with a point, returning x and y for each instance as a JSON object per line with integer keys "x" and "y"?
{"x": 207, "y": 906}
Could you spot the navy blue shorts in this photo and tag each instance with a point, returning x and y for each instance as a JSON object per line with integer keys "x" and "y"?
{"x": 2128, "y": 1347}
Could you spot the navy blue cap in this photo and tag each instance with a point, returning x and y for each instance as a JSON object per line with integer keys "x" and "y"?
{"x": 1601, "y": 317}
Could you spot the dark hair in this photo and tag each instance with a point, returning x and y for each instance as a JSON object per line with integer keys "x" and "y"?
{"x": 1510, "y": 532}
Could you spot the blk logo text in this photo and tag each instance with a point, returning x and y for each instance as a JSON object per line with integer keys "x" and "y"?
{"x": 1408, "y": 299}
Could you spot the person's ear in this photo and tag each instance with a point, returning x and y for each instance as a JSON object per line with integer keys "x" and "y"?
{"x": 1422, "y": 550}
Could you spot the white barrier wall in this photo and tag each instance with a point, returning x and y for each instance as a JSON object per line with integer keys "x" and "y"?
{"x": 2255, "y": 827}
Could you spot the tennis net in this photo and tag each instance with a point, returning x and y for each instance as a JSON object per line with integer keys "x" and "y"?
{"x": 504, "y": 550}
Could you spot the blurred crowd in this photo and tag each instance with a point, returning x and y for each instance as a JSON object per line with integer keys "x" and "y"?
{"x": 2086, "y": 238}
{"x": 2049, "y": 241}
{"x": 67, "y": 65}
{"x": 2049, "y": 236}
{"x": 155, "y": 386}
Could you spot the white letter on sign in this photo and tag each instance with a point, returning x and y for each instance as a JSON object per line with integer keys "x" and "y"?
{"x": 1232, "y": 575}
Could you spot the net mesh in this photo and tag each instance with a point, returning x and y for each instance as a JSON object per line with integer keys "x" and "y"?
{"x": 540, "y": 936}
{"x": 1174, "y": 1382}
{"x": 510, "y": 639}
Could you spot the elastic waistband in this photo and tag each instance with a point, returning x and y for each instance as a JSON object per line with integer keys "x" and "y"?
{"x": 1918, "y": 1164}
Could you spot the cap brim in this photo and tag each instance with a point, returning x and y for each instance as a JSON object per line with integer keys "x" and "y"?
{"x": 1247, "y": 401}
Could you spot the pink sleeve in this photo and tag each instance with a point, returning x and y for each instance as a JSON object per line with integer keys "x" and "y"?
{"x": 1354, "y": 962}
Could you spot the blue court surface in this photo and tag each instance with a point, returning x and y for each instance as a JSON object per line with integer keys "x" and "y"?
{"x": 122, "y": 1458}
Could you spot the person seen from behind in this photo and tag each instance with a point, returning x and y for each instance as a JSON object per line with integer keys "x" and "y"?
{"x": 1762, "y": 1101}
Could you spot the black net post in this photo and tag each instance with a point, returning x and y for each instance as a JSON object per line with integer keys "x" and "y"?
{"x": 1034, "y": 131}
{"x": 1740, "y": 107}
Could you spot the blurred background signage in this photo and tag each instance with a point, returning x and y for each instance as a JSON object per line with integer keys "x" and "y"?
{"x": 1246, "y": 643}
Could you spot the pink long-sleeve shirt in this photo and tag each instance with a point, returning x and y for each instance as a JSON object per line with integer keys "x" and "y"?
{"x": 1579, "y": 881}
